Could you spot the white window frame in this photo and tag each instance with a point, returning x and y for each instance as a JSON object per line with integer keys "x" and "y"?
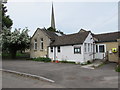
{"x": 85, "y": 47}
{"x": 41, "y": 42}
{"x": 98, "y": 48}
{"x": 58, "y": 49}
{"x": 88, "y": 47}
{"x": 35, "y": 44}
{"x": 51, "y": 49}
{"x": 78, "y": 48}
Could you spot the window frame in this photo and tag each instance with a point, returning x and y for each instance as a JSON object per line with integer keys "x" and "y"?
{"x": 88, "y": 47}
{"x": 103, "y": 49}
{"x": 58, "y": 49}
{"x": 51, "y": 49}
{"x": 35, "y": 44}
{"x": 91, "y": 47}
{"x": 78, "y": 50}
{"x": 85, "y": 47}
{"x": 41, "y": 44}
{"x": 96, "y": 48}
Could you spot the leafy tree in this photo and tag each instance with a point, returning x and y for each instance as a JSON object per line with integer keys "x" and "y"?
{"x": 0, "y": 17}
{"x": 6, "y": 21}
{"x": 16, "y": 40}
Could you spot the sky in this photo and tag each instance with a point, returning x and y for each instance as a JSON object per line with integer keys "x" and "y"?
{"x": 70, "y": 17}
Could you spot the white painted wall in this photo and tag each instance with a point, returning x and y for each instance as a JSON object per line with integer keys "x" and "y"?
{"x": 88, "y": 55}
{"x": 67, "y": 53}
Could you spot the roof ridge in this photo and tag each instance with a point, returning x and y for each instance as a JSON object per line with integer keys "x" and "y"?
{"x": 107, "y": 33}
{"x": 74, "y": 33}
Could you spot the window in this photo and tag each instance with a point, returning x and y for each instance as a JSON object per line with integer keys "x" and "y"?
{"x": 88, "y": 47}
{"x": 41, "y": 43}
{"x": 91, "y": 47}
{"x": 58, "y": 48}
{"x": 35, "y": 44}
{"x": 101, "y": 48}
{"x": 85, "y": 47}
{"x": 77, "y": 50}
{"x": 51, "y": 48}
{"x": 97, "y": 48}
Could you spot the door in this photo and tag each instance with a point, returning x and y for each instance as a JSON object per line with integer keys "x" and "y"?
{"x": 100, "y": 51}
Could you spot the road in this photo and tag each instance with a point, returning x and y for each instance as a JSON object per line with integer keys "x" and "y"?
{"x": 16, "y": 81}
{"x": 67, "y": 75}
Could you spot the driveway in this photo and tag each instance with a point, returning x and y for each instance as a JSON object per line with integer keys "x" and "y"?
{"x": 67, "y": 75}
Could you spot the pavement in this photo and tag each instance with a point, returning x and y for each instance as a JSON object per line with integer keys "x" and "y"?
{"x": 93, "y": 65}
{"x": 66, "y": 75}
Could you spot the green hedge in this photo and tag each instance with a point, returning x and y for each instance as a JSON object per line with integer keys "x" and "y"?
{"x": 43, "y": 59}
{"x": 18, "y": 55}
{"x": 67, "y": 62}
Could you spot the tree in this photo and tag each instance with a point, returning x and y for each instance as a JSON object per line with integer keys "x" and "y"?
{"x": 16, "y": 40}
{"x": 51, "y": 29}
{"x": 54, "y": 30}
{"x": 6, "y": 21}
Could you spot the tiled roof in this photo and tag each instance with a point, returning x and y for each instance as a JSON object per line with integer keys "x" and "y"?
{"x": 107, "y": 37}
{"x": 72, "y": 39}
{"x": 50, "y": 34}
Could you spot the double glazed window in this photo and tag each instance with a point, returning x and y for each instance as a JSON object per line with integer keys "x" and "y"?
{"x": 58, "y": 49}
{"x": 100, "y": 48}
{"x": 77, "y": 50}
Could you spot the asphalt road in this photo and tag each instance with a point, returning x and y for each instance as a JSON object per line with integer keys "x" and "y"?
{"x": 16, "y": 81}
{"x": 66, "y": 75}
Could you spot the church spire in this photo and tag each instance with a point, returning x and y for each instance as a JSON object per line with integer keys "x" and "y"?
{"x": 52, "y": 18}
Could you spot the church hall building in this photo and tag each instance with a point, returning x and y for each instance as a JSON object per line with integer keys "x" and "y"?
{"x": 78, "y": 47}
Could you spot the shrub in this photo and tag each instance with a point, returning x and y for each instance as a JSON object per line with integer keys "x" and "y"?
{"x": 43, "y": 59}
{"x": 118, "y": 68}
{"x": 18, "y": 55}
{"x": 85, "y": 63}
{"x": 88, "y": 62}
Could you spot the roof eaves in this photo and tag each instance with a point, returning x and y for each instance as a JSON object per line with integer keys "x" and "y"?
{"x": 66, "y": 44}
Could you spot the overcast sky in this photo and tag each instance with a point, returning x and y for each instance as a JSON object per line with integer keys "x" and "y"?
{"x": 70, "y": 17}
